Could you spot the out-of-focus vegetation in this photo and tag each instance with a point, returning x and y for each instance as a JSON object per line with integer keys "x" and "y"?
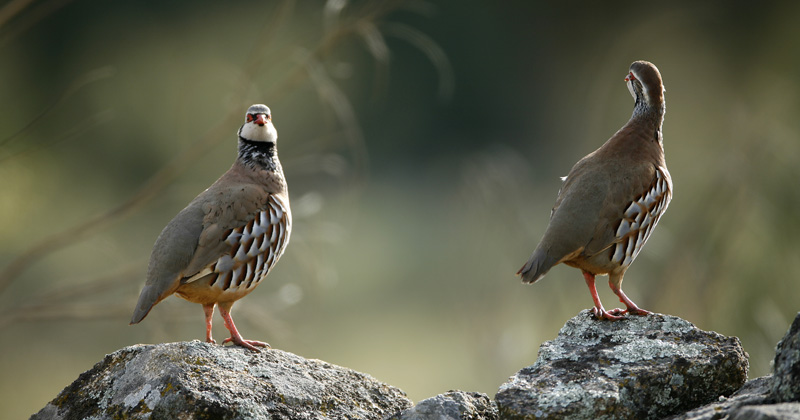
{"x": 422, "y": 143}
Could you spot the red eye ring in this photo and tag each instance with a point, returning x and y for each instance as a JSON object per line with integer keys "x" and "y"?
{"x": 250, "y": 117}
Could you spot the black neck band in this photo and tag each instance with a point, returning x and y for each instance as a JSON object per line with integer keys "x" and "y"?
{"x": 258, "y": 153}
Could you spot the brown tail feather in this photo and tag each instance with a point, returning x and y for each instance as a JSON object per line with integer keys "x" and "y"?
{"x": 536, "y": 267}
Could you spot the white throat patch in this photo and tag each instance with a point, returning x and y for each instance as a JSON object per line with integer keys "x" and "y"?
{"x": 254, "y": 132}
{"x": 630, "y": 89}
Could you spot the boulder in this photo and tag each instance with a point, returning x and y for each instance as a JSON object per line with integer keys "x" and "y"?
{"x": 641, "y": 367}
{"x": 755, "y": 392}
{"x": 786, "y": 384}
{"x": 453, "y": 405}
{"x": 781, "y": 411}
{"x": 196, "y": 380}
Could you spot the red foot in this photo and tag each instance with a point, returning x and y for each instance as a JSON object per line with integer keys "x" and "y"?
{"x": 209, "y": 311}
{"x": 635, "y": 311}
{"x": 235, "y": 337}
{"x": 617, "y": 314}
{"x": 631, "y": 307}
{"x": 611, "y": 315}
{"x": 248, "y": 344}
{"x": 598, "y": 310}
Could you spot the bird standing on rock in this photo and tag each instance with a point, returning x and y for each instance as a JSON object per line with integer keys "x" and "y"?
{"x": 223, "y": 244}
{"x": 611, "y": 199}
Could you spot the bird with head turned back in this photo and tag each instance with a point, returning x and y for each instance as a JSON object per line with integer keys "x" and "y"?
{"x": 612, "y": 199}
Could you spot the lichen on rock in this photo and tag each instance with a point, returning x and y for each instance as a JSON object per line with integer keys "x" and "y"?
{"x": 786, "y": 384}
{"x": 200, "y": 380}
{"x": 641, "y": 367}
{"x": 452, "y": 405}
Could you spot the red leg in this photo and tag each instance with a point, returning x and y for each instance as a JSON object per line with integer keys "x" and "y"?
{"x": 599, "y": 311}
{"x": 209, "y": 311}
{"x": 235, "y": 337}
{"x": 631, "y": 307}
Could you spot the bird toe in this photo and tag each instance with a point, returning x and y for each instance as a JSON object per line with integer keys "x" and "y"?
{"x": 248, "y": 344}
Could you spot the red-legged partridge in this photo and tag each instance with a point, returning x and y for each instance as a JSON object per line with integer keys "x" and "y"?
{"x": 223, "y": 244}
{"x": 611, "y": 199}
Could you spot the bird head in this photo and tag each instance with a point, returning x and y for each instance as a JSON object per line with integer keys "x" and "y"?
{"x": 644, "y": 83}
{"x": 258, "y": 125}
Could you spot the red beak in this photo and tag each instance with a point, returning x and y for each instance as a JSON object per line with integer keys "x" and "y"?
{"x": 261, "y": 119}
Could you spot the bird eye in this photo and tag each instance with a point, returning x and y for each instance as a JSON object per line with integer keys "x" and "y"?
{"x": 250, "y": 117}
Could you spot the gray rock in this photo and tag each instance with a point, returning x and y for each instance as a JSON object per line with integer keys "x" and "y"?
{"x": 641, "y": 367}
{"x": 782, "y": 411}
{"x": 786, "y": 387}
{"x": 194, "y": 380}
{"x": 754, "y": 392}
{"x": 453, "y": 405}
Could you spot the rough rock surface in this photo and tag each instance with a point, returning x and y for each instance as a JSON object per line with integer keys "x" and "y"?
{"x": 453, "y": 405}
{"x": 786, "y": 385}
{"x": 194, "y": 380}
{"x": 642, "y": 367}
{"x": 782, "y": 411}
{"x": 755, "y": 392}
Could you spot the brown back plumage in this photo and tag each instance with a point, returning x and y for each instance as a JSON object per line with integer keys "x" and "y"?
{"x": 612, "y": 198}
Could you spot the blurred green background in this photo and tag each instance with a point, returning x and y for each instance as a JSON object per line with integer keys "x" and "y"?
{"x": 422, "y": 143}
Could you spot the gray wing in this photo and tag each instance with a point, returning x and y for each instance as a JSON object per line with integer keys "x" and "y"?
{"x": 171, "y": 254}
